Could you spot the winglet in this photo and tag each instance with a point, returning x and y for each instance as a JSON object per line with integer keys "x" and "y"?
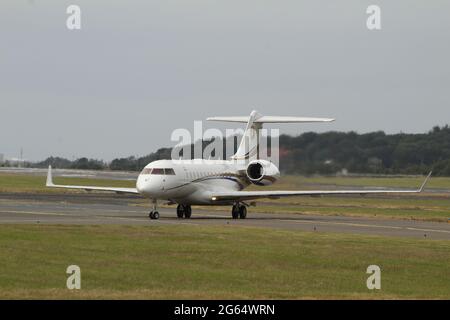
{"x": 49, "y": 177}
{"x": 425, "y": 182}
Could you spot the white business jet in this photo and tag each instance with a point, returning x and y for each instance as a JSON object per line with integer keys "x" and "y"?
{"x": 220, "y": 182}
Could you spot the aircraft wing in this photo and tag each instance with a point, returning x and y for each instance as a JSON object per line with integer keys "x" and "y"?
{"x": 50, "y": 184}
{"x": 251, "y": 195}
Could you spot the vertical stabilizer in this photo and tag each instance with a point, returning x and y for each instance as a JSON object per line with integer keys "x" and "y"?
{"x": 248, "y": 148}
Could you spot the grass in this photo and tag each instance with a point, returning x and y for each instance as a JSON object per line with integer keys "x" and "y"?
{"x": 181, "y": 262}
{"x": 186, "y": 262}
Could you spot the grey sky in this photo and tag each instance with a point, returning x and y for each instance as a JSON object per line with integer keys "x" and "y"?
{"x": 139, "y": 69}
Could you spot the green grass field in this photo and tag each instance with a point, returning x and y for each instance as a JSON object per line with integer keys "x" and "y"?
{"x": 190, "y": 262}
{"x": 185, "y": 262}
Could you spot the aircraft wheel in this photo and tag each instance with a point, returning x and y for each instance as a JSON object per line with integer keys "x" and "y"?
{"x": 235, "y": 212}
{"x": 150, "y": 215}
{"x": 242, "y": 212}
{"x": 156, "y": 215}
{"x": 180, "y": 211}
{"x": 187, "y": 212}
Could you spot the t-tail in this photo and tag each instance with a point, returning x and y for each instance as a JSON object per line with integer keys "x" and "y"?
{"x": 249, "y": 146}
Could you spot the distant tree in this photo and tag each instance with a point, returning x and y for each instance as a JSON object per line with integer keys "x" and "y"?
{"x": 325, "y": 153}
{"x": 55, "y": 162}
{"x": 85, "y": 163}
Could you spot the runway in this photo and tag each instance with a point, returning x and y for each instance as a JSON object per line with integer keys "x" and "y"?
{"x": 116, "y": 209}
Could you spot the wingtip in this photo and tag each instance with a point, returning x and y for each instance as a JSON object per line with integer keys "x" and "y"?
{"x": 49, "y": 182}
{"x": 425, "y": 182}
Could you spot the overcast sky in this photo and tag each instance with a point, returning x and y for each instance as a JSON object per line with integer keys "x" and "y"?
{"x": 139, "y": 69}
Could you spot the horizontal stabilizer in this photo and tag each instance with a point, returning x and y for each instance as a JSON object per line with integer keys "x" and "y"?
{"x": 270, "y": 119}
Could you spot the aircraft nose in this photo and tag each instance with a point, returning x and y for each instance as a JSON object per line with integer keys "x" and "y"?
{"x": 147, "y": 186}
{"x": 140, "y": 184}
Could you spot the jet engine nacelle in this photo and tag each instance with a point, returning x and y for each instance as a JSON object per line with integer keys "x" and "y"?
{"x": 262, "y": 172}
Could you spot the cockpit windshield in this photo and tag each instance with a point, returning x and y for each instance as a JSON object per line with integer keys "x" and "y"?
{"x": 158, "y": 171}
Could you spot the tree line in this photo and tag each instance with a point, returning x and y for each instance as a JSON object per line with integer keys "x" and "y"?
{"x": 323, "y": 153}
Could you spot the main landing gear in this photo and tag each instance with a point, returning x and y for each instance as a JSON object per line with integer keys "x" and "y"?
{"x": 239, "y": 211}
{"x": 154, "y": 214}
{"x": 184, "y": 210}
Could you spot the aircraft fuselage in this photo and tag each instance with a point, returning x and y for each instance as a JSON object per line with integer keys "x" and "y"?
{"x": 191, "y": 181}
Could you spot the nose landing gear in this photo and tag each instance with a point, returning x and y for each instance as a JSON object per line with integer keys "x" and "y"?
{"x": 239, "y": 211}
{"x": 184, "y": 211}
{"x": 154, "y": 214}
